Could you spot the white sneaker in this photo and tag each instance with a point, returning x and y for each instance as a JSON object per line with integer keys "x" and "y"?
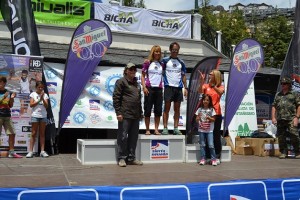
{"x": 29, "y": 155}
{"x": 218, "y": 161}
{"x": 44, "y": 154}
{"x": 214, "y": 163}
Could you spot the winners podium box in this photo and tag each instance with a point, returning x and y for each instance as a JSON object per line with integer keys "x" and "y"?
{"x": 192, "y": 153}
{"x": 161, "y": 148}
{"x": 95, "y": 151}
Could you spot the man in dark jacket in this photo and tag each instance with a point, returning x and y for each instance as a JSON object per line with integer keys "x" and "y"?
{"x": 128, "y": 108}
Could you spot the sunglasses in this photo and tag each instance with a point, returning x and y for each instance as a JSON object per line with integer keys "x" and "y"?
{"x": 174, "y": 50}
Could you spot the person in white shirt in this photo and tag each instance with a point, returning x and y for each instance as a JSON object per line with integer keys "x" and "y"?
{"x": 152, "y": 82}
{"x": 38, "y": 103}
{"x": 174, "y": 82}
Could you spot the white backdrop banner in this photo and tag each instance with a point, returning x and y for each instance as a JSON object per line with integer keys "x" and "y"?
{"x": 244, "y": 122}
{"x": 94, "y": 108}
{"x": 121, "y": 18}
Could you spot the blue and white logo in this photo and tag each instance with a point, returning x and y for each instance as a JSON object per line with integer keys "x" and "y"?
{"x": 50, "y": 74}
{"x": 238, "y": 190}
{"x": 53, "y": 102}
{"x": 110, "y": 83}
{"x": 94, "y": 90}
{"x": 79, "y": 118}
{"x": 108, "y": 106}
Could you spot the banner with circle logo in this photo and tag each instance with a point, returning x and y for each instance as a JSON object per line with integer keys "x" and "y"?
{"x": 89, "y": 43}
{"x": 246, "y": 61}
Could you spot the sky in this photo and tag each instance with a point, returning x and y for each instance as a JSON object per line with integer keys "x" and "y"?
{"x": 176, "y": 5}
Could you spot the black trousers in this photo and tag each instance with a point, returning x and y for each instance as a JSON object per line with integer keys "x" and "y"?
{"x": 128, "y": 131}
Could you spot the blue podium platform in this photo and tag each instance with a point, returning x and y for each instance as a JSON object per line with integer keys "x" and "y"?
{"x": 269, "y": 189}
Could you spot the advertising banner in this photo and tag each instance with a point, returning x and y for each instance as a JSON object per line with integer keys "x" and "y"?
{"x": 260, "y": 189}
{"x": 61, "y": 12}
{"x": 244, "y": 121}
{"x": 19, "y": 19}
{"x": 94, "y": 108}
{"x": 89, "y": 43}
{"x": 247, "y": 60}
{"x": 121, "y": 18}
{"x": 291, "y": 66}
{"x": 204, "y": 66}
{"x": 21, "y": 72}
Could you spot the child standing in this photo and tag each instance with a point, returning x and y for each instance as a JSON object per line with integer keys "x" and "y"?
{"x": 205, "y": 118}
{"x": 39, "y": 103}
{"x": 6, "y": 103}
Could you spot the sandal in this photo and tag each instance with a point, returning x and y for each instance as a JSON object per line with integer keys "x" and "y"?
{"x": 157, "y": 133}
{"x": 147, "y": 133}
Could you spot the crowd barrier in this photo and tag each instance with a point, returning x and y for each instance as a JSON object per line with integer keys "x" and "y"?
{"x": 269, "y": 189}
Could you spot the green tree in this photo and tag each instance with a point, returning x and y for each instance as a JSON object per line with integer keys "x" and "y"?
{"x": 133, "y": 3}
{"x": 275, "y": 35}
{"x": 129, "y": 3}
{"x": 232, "y": 25}
{"x": 141, "y": 4}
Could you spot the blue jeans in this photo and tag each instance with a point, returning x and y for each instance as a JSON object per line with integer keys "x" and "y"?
{"x": 210, "y": 140}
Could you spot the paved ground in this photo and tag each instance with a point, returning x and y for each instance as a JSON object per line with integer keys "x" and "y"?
{"x": 66, "y": 170}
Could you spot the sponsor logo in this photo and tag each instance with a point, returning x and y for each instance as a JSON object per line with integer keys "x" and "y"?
{"x": 66, "y": 8}
{"x": 52, "y": 87}
{"x": 108, "y": 105}
{"x": 121, "y": 18}
{"x": 79, "y": 117}
{"x": 248, "y": 60}
{"x": 95, "y": 119}
{"x": 172, "y": 24}
{"x": 21, "y": 142}
{"x": 50, "y": 74}
{"x": 15, "y": 112}
{"x": 94, "y": 91}
{"x": 110, "y": 83}
{"x": 89, "y": 44}
{"x": 159, "y": 149}
{"x": 35, "y": 65}
{"x": 109, "y": 118}
{"x": 95, "y": 78}
{"x": 26, "y": 129}
{"x": 79, "y": 104}
{"x": 94, "y": 104}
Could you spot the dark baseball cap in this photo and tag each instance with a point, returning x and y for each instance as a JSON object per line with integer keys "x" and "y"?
{"x": 286, "y": 80}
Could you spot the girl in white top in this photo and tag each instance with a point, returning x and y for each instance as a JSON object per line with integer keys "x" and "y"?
{"x": 39, "y": 104}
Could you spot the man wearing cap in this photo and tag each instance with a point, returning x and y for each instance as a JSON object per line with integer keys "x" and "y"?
{"x": 285, "y": 114}
{"x": 128, "y": 108}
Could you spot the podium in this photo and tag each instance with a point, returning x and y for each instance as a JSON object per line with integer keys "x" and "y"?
{"x": 161, "y": 148}
{"x": 95, "y": 151}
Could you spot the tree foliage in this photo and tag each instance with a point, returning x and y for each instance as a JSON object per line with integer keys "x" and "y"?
{"x": 274, "y": 34}
{"x": 133, "y": 3}
{"x": 232, "y": 25}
